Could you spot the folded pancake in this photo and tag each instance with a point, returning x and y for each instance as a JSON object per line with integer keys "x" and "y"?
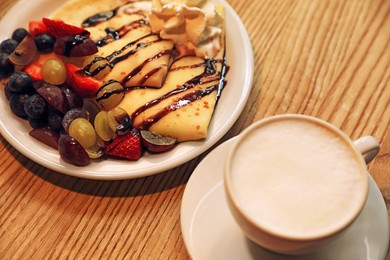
{"x": 170, "y": 94}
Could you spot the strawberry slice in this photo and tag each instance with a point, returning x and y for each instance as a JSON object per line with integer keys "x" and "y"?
{"x": 126, "y": 146}
{"x": 34, "y": 70}
{"x": 60, "y": 29}
{"x": 84, "y": 85}
{"x": 36, "y": 27}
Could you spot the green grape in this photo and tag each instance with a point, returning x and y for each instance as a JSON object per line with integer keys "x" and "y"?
{"x": 82, "y": 130}
{"x": 119, "y": 121}
{"x": 99, "y": 67}
{"x": 110, "y": 94}
{"x": 54, "y": 71}
{"x": 102, "y": 128}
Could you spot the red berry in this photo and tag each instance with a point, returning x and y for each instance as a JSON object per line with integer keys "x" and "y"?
{"x": 126, "y": 146}
{"x": 36, "y": 27}
{"x": 34, "y": 70}
{"x": 60, "y": 29}
{"x": 85, "y": 86}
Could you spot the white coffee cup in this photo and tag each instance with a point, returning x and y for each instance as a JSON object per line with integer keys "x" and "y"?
{"x": 295, "y": 182}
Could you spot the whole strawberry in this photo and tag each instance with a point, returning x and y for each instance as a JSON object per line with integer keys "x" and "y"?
{"x": 126, "y": 146}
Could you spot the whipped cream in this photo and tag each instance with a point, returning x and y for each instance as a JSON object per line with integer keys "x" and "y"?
{"x": 194, "y": 25}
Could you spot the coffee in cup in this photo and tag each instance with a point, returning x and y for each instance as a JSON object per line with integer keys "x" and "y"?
{"x": 294, "y": 182}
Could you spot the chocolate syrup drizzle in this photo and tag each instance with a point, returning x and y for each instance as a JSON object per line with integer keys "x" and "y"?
{"x": 209, "y": 75}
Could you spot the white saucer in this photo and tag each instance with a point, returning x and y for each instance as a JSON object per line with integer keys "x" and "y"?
{"x": 210, "y": 232}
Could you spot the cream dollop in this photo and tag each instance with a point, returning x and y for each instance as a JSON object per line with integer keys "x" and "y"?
{"x": 194, "y": 25}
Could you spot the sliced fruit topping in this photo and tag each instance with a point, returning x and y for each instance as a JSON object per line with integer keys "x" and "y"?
{"x": 156, "y": 143}
{"x": 60, "y": 29}
{"x": 119, "y": 121}
{"x": 84, "y": 85}
{"x": 102, "y": 128}
{"x": 46, "y": 136}
{"x": 72, "y": 151}
{"x": 75, "y": 46}
{"x": 110, "y": 94}
{"x": 82, "y": 130}
{"x": 34, "y": 70}
{"x": 126, "y": 146}
{"x": 54, "y": 71}
{"x": 55, "y": 97}
{"x": 36, "y": 27}
{"x": 24, "y": 53}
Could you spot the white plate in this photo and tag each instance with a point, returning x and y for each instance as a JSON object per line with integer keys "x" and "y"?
{"x": 210, "y": 232}
{"x": 232, "y": 102}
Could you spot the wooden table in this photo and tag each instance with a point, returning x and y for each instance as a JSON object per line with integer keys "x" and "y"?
{"x": 329, "y": 59}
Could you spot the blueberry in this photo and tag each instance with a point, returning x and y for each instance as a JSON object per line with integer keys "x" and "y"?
{"x": 37, "y": 123}
{"x": 6, "y": 67}
{"x": 8, "y": 93}
{"x": 20, "y": 82}
{"x": 35, "y": 106}
{"x": 54, "y": 121}
{"x": 17, "y": 102}
{"x": 45, "y": 42}
{"x": 8, "y": 46}
{"x": 19, "y": 34}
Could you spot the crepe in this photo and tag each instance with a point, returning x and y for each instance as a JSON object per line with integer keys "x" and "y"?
{"x": 165, "y": 94}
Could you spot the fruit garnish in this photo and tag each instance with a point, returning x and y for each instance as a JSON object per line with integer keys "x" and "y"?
{"x": 84, "y": 85}
{"x": 75, "y": 46}
{"x": 54, "y": 97}
{"x": 24, "y": 53}
{"x": 110, "y": 94}
{"x": 46, "y": 136}
{"x": 119, "y": 121}
{"x": 34, "y": 70}
{"x": 54, "y": 71}
{"x": 82, "y": 130}
{"x": 102, "y": 128}
{"x": 60, "y": 29}
{"x": 36, "y": 27}
{"x": 71, "y": 151}
{"x": 156, "y": 143}
{"x": 126, "y": 146}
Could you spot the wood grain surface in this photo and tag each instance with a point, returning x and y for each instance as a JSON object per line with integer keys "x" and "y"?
{"x": 326, "y": 58}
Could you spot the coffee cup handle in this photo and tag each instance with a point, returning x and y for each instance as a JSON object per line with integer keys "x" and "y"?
{"x": 368, "y": 146}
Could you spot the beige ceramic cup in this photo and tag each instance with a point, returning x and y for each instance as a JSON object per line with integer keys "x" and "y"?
{"x": 294, "y": 182}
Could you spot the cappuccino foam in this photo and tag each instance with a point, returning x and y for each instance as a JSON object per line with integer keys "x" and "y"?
{"x": 297, "y": 178}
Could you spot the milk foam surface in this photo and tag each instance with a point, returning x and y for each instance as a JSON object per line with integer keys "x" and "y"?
{"x": 297, "y": 178}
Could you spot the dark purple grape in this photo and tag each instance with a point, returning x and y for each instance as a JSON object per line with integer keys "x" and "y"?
{"x": 75, "y": 46}
{"x": 46, "y": 136}
{"x": 45, "y": 42}
{"x": 71, "y": 151}
{"x": 73, "y": 98}
{"x": 35, "y": 106}
{"x": 16, "y": 103}
{"x": 70, "y": 116}
{"x": 37, "y": 122}
{"x": 54, "y": 120}
{"x": 37, "y": 84}
{"x": 19, "y": 34}
{"x": 8, "y": 46}
{"x": 6, "y": 67}
{"x": 54, "y": 97}
{"x": 156, "y": 143}
{"x": 20, "y": 82}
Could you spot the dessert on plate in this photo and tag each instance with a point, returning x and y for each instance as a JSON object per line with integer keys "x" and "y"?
{"x": 146, "y": 70}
